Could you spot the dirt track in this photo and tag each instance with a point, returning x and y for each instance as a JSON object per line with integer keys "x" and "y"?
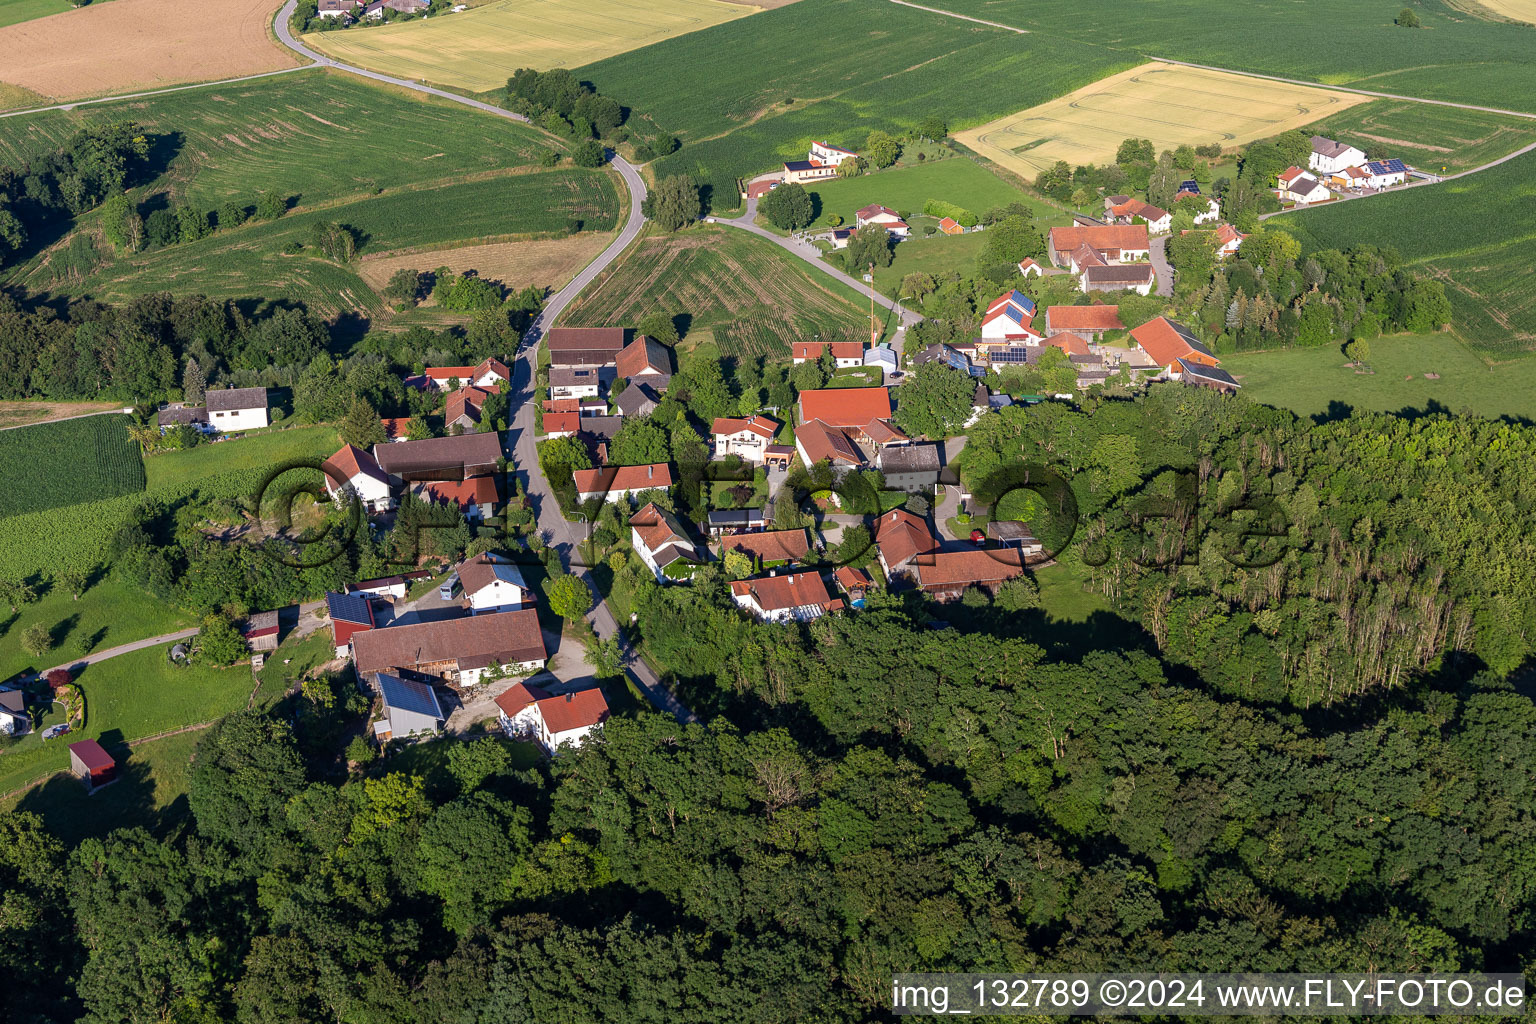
{"x": 131, "y": 44}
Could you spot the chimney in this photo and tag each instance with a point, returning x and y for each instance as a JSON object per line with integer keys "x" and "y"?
{"x": 567, "y": 698}
{"x": 650, "y": 472}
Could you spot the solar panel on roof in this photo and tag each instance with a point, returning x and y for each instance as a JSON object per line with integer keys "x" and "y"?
{"x": 1011, "y": 355}
{"x": 1189, "y": 185}
{"x": 348, "y": 607}
{"x": 409, "y": 695}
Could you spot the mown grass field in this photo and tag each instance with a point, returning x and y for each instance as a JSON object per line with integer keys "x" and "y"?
{"x": 106, "y": 615}
{"x": 168, "y": 471}
{"x": 1166, "y": 103}
{"x": 54, "y": 464}
{"x": 753, "y": 298}
{"x": 1308, "y": 380}
{"x": 1452, "y": 57}
{"x": 129, "y": 698}
{"x": 255, "y": 260}
{"x": 748, "y": 94}
{"x": 478, "y": 49}
{"x": 320, "y": 136}
{"x": 906, "y": 188}
{"x": 1429, "y": 137}
{"x": 1477, "y": 234}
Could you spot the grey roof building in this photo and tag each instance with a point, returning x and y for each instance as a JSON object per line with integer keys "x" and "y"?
{"x": 410, "y": 706}
{"x": 637, "y": 400}
{"x": 909, "y": 467}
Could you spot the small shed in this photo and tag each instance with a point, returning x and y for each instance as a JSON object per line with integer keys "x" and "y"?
{"x": 90, "y": 762}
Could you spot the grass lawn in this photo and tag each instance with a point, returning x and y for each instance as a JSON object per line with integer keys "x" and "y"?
{"x": 106, "y": 615}
{"x": 1309, "y": 380}
{"x": 855, "y": 377}
{"x": 906, "y": 188}
{"x": 1063, "y": 596}
{"x": 170, "y": 470}
{"x": 300, "y": 656}
{"x": 936, "y": 255}
{"x": 130, "y": 697}
{"x": 150, "y": 792}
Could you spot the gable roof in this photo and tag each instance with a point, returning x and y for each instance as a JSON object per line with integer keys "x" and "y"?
{"x": 657, "y": 528}
{"x": 850, "y": 578}
{"x": 900, "y": 536}
{"x": 473, "y": 490}
{"x": 472, "y": 642}
{"x": 1100, "y": 236}
{"x": 814, "y": 349}
{"x": 792, "y": 590}
{"x": 519, "y": 696}
{"x": 1069, "y": 343}
{"x": 579, "y": 710}
{"x": 349, "y": 462}
{"x": 846, "y": 407}
{"x": 643, "y": 355}
{"x": 1136, "y": 273}
{"x": 1013, "y": 297}
{"x": 181, "y": 414}
{"x": 1393, "y": 166}
{"x": 875, "y": 210}
{"x": 1084, "y": 318}
{"x": 822, "y": 441}
{"x": 623, "y": 478}
{"x": 585, "y": 339}
{"x": 562, "y": 422}
{"x": 770, "y": 545}
{"x": 465, "y": 402}
{"x": 452, "y": 455}
{"x": 762, "y": 426}
{"x": 1205, "y": 372}
{"x": 960, "y": 568}
{"x": 485, "y": 569}
{"x": 637, "y": 400}
{"x": 353, "y": 608}
{"x": 1304, "y": 184}
{"x": 1329, "y": 148}
{"x": 1290, "y": 174}
{"x": 1167, "y": 341}
{"x": 572, "y": 376}
{"x": 909, "y": 458}
{"x": 233, "y": 399}
{"x": 409, "y": 694}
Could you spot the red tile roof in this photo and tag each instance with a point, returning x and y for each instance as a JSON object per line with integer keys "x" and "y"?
{"x": 622, "y": 478}
{"x": 475, "y": 490}
{"x": 762, "y": 426}
{"x": 961, "y": 568}
{"x": 578, "y": 710}
{"x": 562, "y": 405}
{"x": 465, "y": 400}
{"x": 846, "y": 407}
{"x": 1165, "y": 344}
{"x": 770, "y": 545}
{"x": 851, "y": 579}
{"x": 643, "y": 355}
{"x": 395, "y": 426}
{"x": 1100, "y": 236}
{"x": 831, "y": 443}
{"x": 900, "y": 536}
{"x": 657, "y": 527}
{"x": 875, "y": 210}
{"x": 840, "y": 349}
{"x": 1071, "y": 344}
{"x": 518, "y": 696}
{"x": 1084, "y": 318}
{"x": 950, "y": 226}
{"x": 793, "y": 590}
{"x": 349, "y": 462}
{"x": 562, "y": 422}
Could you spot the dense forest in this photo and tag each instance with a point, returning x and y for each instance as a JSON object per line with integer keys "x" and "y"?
{"x": 1311, "y": 749}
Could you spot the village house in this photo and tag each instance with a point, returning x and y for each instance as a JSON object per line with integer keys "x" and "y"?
{"x": 1129, "y": 210}
{"x": 476, "y": 496}
{"x": 336, "y": 8}
{"x": 1379, "y": 174}
{"x": 820, "y": 165}
{"x": 863, "y": 412}
{"x": 488, "y": 374}
{"x": 614, "y": 483}
{"x": 195, "y": 416}
{"x": 440, "y": 458}
{"x": 350, "y": 614}
{"x": 637, "y": 400}
{"x": 574, "y": 382}
{"x": 1029, "y": 268}
{"x": 884, "y": 216}
{"x": 1009, "y": 320}
{"x": 234, "y": 409}
{"x": 463, "y": 407}
{"x": 584, "y": 346}
{"x": 900, "y": 537}
{"x": 913, "y": 468}
{"x": 792, "y": 597}
{"x": 945, "y": 575}
{"x": 769, "y": 547}
{"x": 493, "y": 584}
{"x": 354, "y": 474}
{"x": 1297, "y": 186}
{"x": 528, "y": 712}
{"x": 1111, "y": 243}
{"x": 817, "y": 442}
{"x": 1228, "y": 240}
{"x": 1189, "y": 197}
{"x": 1179, "y": 355}
{"x": 1090, "y": 322}
{"x": 561, "y": 424}
{"x": 722, "y": 521}
{"x": 390, "y": 587}
{"x": 457, "y": 650}
{"x": 375, "y": 9}
{"x": 746, "y": 437}
{"x": 411, "y": 708}
{"x": 946, "y": 355}
{"x": 395, "y": 427}
{"x": 844, "y": 353}
{"x": 660, "y": 540}
{"x": 1330, "y": 157}
{"x": 646, "y": 360}
{"x": 14, "y": 719}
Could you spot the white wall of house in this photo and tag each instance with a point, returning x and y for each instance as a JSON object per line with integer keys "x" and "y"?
{"x": 374, "y": 494}
{"x": 474, "y": 676}
{"x": 498, "y": 595}
{"x": 229, "y": 420}
{"x": 646, "y": 554}
{"x": 745, "y": 443}
{"x": 1211, "y": 215}
{"x": 800, "y": 613}
{"x": 1332, "y": 164}
{"x": 573, "y": 390}
{"x": 529, "y": 724}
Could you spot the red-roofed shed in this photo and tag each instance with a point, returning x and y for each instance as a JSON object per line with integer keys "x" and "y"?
{"x": 89, "y": 761}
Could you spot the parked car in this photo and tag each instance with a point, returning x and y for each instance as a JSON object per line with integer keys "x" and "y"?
{"x": 978, "y": 538}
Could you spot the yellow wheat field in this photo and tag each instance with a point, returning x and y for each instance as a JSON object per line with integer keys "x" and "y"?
{"x": 1166, "y": 103}
{"x": 1517, "y": 10}
{"x": 478, "y": 49}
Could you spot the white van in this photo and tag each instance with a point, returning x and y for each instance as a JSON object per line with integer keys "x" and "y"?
{"x": 449, "y": 588}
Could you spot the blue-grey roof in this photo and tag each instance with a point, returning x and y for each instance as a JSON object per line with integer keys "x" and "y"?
{"x": 727, "y": 516}
{"x": 349, "y": 608}
{"x": 1189, "y": 185}
{"x": 1386, "y": 167}
{"x": 409, "y": 695}
{"x": 1021, "y": 299}
{"x": 1211, "y": 373}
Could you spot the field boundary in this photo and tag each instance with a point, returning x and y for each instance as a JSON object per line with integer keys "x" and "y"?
{"x": 72, "y": 104}
{"x": 963, "y": 17}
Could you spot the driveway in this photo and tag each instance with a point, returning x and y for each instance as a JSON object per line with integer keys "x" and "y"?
{"x": 1161, "y": 266}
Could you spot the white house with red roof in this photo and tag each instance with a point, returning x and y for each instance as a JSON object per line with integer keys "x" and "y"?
{"x": 1010, "y": 318}
{"x": 746, "y": 437}
{"x": 612, "y": 483}
{"x": 660, "y": 541}
{"x": 792, "y": 597}
{"x": 1297, "y": 186}
{"x": 1029, "y": 268}
{"x": 1211, "y": 211}
{"x": 528, "y": 712}
{"x": 487, "y": 374}
{"x": 844, "y": 353}
{"x": 1130, "y": 210}
{"x": 884, "y": 216}
{"x": 354, "y": 473}
{"x": 1179, "y": 355}
{"x": 476, "y": 496}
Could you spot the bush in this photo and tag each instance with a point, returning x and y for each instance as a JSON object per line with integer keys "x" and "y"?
{"x": 589, "y": 154}
{"x": 959, "y": 214}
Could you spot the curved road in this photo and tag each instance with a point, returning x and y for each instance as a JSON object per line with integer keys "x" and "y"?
{"x": 565, "y": 536}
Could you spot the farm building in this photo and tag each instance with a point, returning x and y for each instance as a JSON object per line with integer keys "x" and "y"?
{"x": 1330, "y": 157}
{"x": 1112, "y": 243}
{"x": 476, "y": 496}
{"x": 1129, "y": 210}
{"x": 92, "y": 764}
{"x": 411, "y": 707}
{"x": 440, "y": 458}
{"x": 350, "y": 614}
{"x": 584, "y": 346}
{"x": 1087, "y": 321}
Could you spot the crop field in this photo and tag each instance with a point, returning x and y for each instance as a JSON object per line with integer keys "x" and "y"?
{"x": 1427, "y": 136}
{"x": 478, "y": 49}
{"x": 750, "y": 295}
{"x": 1165, "y": 103}
{"x": 54, "y": 464}
{"x": 956, "y": 180}
{"x": 747, "y": 95}
{"x": 321, "y": 136}
{"x": 1453, "y": 57}
{"x": 139, "y": 44}
{"x": 258, "y": 453}
{"x": 1477, "y": 234}
{"x": 542, "y": 262}
{"x": 254, "y": 260}
{"x": 1308, "y": 380}
{"x": 1515, "y": 10}
{"x": 20, "y": 413}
